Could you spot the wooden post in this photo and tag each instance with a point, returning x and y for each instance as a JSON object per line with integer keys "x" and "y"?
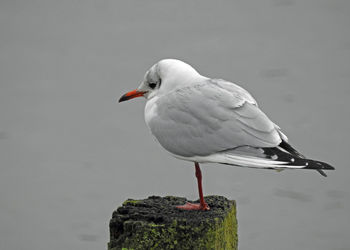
{"x": 155, "y": 223}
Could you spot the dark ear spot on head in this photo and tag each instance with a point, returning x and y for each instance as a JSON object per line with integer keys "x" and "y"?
{"x": 152, "y": 85}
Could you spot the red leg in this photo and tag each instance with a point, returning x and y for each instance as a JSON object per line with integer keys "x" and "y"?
{"x": 202, "y": 205}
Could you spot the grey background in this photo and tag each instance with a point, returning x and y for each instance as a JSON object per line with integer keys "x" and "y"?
{"x": 69, "y": 154}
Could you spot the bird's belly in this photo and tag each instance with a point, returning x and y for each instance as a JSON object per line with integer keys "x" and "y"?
{"x": 150, "y": 111}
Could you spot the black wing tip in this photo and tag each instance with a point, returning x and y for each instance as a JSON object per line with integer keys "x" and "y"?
{"x": 319, "y": 167}
{"x": 321, "y": 172}
{"x": 311, "y": 164}
{"x": 294, "y": 158}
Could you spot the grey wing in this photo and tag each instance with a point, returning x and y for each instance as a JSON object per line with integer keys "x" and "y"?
{"x": 209, "y": 117}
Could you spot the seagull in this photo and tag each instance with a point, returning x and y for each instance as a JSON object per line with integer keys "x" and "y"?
{"x": 204, "y": 120}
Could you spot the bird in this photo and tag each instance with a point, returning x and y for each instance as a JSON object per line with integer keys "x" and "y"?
{"x": 207, "y": 120}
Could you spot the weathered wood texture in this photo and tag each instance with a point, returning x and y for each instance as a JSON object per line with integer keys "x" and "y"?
{"x": 155, "y": 223}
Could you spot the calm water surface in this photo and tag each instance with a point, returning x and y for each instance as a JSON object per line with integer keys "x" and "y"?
{"x": 69, "y": 154}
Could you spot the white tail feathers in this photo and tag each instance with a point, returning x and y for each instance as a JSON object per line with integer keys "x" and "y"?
{"x": 255, "y": 162}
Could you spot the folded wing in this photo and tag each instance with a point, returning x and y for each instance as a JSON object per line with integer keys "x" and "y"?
{"x": 209, "y": 117}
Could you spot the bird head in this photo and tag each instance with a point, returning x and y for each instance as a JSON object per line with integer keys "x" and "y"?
{"x": 163, "y": 77}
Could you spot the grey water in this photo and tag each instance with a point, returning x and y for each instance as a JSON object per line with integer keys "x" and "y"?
{"x": 69, "y": 154}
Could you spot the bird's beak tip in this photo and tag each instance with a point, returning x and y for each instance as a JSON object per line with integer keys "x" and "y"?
{"x": 130, "y": 95}
{"x": 123, "y": 98}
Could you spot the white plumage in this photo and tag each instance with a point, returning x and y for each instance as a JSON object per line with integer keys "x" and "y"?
{"x": 199, "y": 119}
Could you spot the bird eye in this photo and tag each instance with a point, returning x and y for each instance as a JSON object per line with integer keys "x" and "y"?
{"x": 152, "y": 85}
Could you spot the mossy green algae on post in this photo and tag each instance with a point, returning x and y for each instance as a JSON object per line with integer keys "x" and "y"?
{"x": 155, "y": 223}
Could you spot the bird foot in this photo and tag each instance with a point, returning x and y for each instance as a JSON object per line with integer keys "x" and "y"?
{"x": 194, "y": 206}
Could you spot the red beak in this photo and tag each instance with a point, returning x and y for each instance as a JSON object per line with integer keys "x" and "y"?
{"x": 131, "y": 94}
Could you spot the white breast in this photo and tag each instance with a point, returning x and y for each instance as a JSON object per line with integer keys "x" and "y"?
{"x": 150, "y": 110}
